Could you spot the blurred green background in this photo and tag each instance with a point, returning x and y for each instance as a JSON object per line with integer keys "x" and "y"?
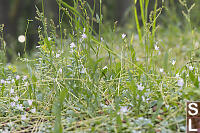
{"x": 14, "y": 14}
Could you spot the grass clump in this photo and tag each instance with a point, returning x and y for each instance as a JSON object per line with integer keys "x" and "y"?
{"x": 78, "y": 81}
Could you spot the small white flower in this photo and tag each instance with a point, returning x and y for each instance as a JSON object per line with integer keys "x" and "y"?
{"x": 161, "y": 70}
{"x": 140, "y": 87}
{"x": 180, "y": 82}
{"x": 2, "y": 81}
{"x": 30, "y": 102}
{"x": 156, "y": 47}
{"x": 37, "y": 46}
{"x": 49, "y": 38}
{"x": 102, "y": 39}
{"x": 13, "y": 81}
{"x": 191, "y": 68}
{"x": 24, "y": 78}
{"x": 72, "y": 45}
{"x": 33, "y": 110}
{"x": 83, "y": 70}
{"x": 60, "y": 70}
{"x": 26, "y": 84}
{"x": 105, "y": 67}
{"x": 177, "y": 75}
{"x": 16, "y": 98}
{"x": 23, "y": 117}
{"x": 143, "y": 98}
{"x": 123, "y": 36}
{"x": 17, "y": 77}
{"x": 147, "y": 100}
{"x": 11, "y": 90}
{"x": 173, "y": 62}
{"x": 12, "y": 104}
{"x": 84, "y": 36}
{"x": 124, "y": 109}
{"x": 19, "y": 106}
{"x": 57, "y": 55}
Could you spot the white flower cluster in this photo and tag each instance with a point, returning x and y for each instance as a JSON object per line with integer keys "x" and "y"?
{"x": 83, "y": 36}
{"x": 140, "y": 87}
{"x": 15, "y": 104}
{"x": 180, "y": 81}
{"x": 72, "y": 47}
{"x": 157, "y": 48}
{"x": 123, "y": 35}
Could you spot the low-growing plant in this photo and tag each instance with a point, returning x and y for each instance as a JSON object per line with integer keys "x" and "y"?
{"x": 82, "y": 81}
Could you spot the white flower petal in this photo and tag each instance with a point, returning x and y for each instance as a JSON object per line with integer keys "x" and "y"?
{"x": 72, "y": 45}
{"x": 23, "y": 117}
{"x": 84, "y": 36}
{"x": 180, "y": 82}
{"x": 173, "y": 62}
{"x": 156, "y": 47}
{"x": 123, "y": 35}
{"x": 140, "y": 87}
{"x": 30, "y": 102}
{"x": 2, "y": 81}
{"x": 17, "y": 77}
{"x": 33, "y": 110}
